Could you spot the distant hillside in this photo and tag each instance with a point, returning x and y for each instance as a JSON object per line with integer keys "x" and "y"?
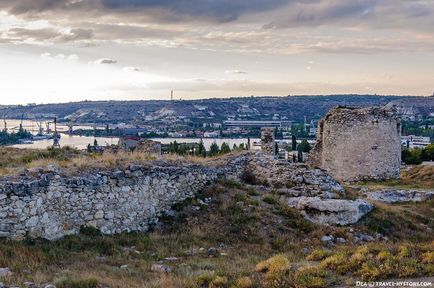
{"x": 414, "y": 107}
{"x": 291, "y": 108}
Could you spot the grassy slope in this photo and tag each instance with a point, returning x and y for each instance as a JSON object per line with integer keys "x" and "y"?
{"x": 247, "y": 225}
{"x": 415, "y": 177}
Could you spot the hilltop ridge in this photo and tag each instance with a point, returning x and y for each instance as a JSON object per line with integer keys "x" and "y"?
{"x": 293, "y": 108}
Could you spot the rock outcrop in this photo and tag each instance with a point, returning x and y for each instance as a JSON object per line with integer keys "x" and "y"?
{"x": 312, "y": 191}
{"x": 331, "y": 211}
{"x": 48, "y": 203}
{"x": 399, "y": 196}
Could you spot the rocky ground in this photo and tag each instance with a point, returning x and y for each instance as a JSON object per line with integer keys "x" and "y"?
{"x": 243, "y": 233}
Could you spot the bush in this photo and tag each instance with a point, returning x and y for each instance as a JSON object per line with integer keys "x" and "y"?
{"x": 89, "y": 231}
{"x": 276, "y": 271}
{"x": 84, "y": 283}
{"x": 247, "y": 176}
{"x": 318, "y": 255}
{"x": 243, "y": 282}
{"x": 412, "y": 156}
{"x": 270, "y": 200}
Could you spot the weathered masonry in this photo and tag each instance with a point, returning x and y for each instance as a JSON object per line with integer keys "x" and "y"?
{"x": 356, "y": 144}
{"x": 53, "y": 205}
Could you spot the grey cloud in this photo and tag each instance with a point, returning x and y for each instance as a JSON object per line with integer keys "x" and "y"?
{"x": 35, "y": 6}
{"x": 222, "y": 10}
{"x": 105, "y": 61}
{"x": 368, "y": 13}
{"x": 235, "y": 72}
{"x": 20, "y": 34}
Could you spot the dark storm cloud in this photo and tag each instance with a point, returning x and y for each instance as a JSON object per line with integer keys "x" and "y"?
{"x": 222, "y": 10}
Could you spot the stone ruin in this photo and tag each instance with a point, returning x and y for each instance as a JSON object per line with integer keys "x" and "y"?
{"x": 146, "y": 146}
{"x": 49, "y": 203}
{"x": 355, "y": 144}
{"x": 149, "y": 147}
{"x": 268, "y": 141}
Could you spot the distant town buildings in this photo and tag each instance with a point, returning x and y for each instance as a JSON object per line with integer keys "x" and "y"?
{"x": 313, "y": 128}
{"x": 213, "y": 134}
{"x": 258, "y": 123}
{"x": 412, "y": 141}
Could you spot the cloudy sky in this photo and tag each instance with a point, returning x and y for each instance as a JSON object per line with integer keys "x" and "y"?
{"x": 68, "y": 50}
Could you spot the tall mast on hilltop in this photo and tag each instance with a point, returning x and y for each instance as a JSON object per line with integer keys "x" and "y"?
{"x": 171, "y": 95}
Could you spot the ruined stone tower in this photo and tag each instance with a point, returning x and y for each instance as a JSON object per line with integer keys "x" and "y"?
{"x": 268, "y": 141}
{"x": 356, "y": 144}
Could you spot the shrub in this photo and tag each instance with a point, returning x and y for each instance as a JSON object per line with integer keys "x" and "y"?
{"x": 90, "y": 231}
{"x": 84, "y": 283}
{"x": 311, "y": 277}
{"x": 219, "y": 281}
{"x": 339, "y": 262}
{"x": 369, "y": 271}
{"x": 318, "y": 255}
{"x": 247, "y": 176}
{"x": 243, "y": 282}
{"x": 270, "y": 200}
{"x": 428, "y": 257}
{"x": 276, "y": 271}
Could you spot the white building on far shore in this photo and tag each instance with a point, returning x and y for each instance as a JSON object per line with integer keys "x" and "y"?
{"x": 412, "y": 141}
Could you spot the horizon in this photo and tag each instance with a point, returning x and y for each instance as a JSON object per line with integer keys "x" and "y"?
{"x": 113, "y": 50}
{"x": 218, "y": 98}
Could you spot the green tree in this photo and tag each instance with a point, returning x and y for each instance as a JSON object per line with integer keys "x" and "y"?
{"x": 429, "y": 152}
{"x": 305, "y": 146}
{"x": 294, "y": 143}
{"x": 214, "y": 149}
{"x": 224, "y": 149}
{"x": 411, "y": 156}
{"x": 299, "y": 154}
{"x": 175, "y": 147}
{"x": 201, "y": 148}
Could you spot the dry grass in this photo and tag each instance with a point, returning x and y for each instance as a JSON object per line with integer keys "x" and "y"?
{"x": 416, "y": 177}
{"x": 251, "y": 230}
{"x": 419, "y": 175}
{"x": 72, "y": 161}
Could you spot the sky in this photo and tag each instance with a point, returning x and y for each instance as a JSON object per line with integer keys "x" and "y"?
{"x": 55, "y": 51}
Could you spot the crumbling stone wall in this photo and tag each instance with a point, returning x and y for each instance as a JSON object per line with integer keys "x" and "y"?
{"x": 356, "y": 144}
{"x": 49, "y": 203}
{"x": 268, "y": 141}
{"x": 52, "y": 205}
{"x": 149, "y": 147}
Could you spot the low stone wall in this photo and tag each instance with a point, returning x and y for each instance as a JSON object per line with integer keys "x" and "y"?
{"x": 52, "y": 205}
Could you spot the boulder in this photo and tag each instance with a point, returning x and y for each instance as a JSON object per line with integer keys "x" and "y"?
{"x": 5, "y": 272}
{"x": 160, "y": 268}
{"x": 331, "y": 211}
{"x": 398, "y": 196}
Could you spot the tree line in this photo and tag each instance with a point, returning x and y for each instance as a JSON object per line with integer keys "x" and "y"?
{"x": 418, "y": 155}
{"x": 7, "y": 138}
{"x": 199, "y": 149}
